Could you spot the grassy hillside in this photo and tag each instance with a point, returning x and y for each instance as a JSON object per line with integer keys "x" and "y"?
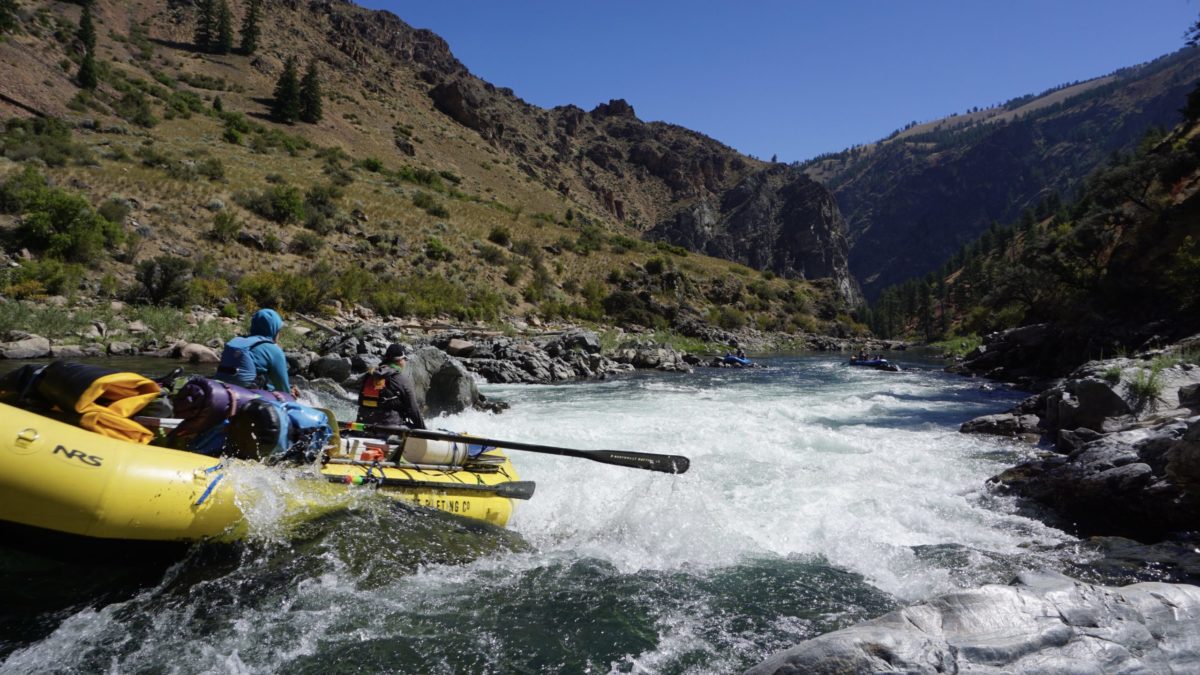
{"x": 386, "y": 204}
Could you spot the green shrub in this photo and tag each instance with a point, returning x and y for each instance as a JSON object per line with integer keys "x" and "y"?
{"x": 44, "y": 138}
{"x": 372, "y": 164}
{"x": 279, "y": 203}
{"x": 114, "y": 210}
{"x": 322, "y": 199}
{"x": 1147, "y": 385}
{"x": 135, "y": 107}
{"x": 165, "y": 280}
{"x": 307, "y": 243}
{"x": 491, "y": 254}
{"x": 38, "y": 278}
{"x": 62, "y": 224}
{"x": 500, "y": 235}
{"x": 226, "y": 227}
{"x": 272, "y": 243}
{"x": 436, "y": 250}
{"x": 1112, "y": 374}
{"x": 212, "y": 169}
{"x": 513, "y": 272}
{"x": 729, "y": 318}
{"x": 628, "y": 308}
{"x": 209, "y": 291}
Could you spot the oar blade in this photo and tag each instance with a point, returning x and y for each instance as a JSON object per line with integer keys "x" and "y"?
{"x": 641, "y": 460}
{"x": 515, "y": 489}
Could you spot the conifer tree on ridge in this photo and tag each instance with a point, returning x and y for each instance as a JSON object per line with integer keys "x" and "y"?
{"x": 286, "y": 106}
{"x": 250, "y": 30}
{"x": 310, "y": 95}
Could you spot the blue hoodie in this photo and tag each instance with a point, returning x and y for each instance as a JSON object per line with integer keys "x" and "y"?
{"x": 268, "y": 357}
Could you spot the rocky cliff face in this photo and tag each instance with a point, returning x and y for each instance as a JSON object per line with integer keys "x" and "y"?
{"x": 776, "y": 219}
{"x": 667, "y": 182}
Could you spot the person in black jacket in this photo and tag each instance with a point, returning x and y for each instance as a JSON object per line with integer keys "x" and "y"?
{"x": 387, "y": 397}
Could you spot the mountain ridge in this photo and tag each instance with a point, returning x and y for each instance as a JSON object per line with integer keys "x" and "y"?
{"x": 912, "y": 199}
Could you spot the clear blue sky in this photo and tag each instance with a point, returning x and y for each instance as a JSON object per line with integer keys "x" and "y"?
{"x": 795, "y": 78}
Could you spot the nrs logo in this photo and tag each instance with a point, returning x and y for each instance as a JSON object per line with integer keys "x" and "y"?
{"x": 90, "y": 460}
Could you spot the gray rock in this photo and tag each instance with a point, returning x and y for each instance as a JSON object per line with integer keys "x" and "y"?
{"x": 1120, "y": 483}
{"x": 121, "y": 349}
{"x": 198, "y": 353}
{"x": 336, "y": 368}
{"x": 1002, "y": 424}
{"x": 1044, "y": 623}
{"x": 68, "y": 352}
{"x": 1189, "y": 396}
{"x": 299, "y": 362}
{"x": 442, "y": 384}
{"x": 364, "y": 362}
{"x": 1183, "y": 461}
{"x": 460, "y": 347}
{"x": 27, "y": 347}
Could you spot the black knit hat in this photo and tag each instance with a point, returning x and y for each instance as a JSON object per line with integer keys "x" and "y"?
{"x": 395, "y": 351}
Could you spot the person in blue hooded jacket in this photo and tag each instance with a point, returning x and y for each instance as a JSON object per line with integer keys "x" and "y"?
{"x": 254, "y": 361}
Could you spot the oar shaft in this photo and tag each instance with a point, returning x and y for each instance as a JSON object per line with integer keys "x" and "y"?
{"x": 627, "y": 458}
{"x": 511, "y": 489}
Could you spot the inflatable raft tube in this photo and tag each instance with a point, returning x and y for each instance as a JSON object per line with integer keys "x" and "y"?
{"x": 63, "y": 478}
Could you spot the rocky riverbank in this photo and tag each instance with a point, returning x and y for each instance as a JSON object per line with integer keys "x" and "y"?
{"x": 449, "y": 360}
{"x": 1119, "y": 462}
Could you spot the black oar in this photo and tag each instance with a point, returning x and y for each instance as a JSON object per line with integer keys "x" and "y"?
{"x": 513, "y": 489}
{"x": 634, "y": 460}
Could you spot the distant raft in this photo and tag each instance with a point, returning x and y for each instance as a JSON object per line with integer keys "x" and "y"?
{"x": 735, "y": 360}
{"x": 877, "y": 364}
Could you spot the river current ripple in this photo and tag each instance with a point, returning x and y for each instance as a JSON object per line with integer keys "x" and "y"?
{"x": 820, "y": 495}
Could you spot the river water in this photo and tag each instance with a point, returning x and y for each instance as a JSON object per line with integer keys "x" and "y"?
{"x": 819, "y": 496}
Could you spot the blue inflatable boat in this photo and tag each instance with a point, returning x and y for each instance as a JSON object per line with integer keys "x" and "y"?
{"x": 877, "y": 364}
{"x": 735, "y": 360}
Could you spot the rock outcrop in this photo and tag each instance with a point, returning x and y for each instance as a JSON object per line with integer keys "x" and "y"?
{"x": 1043, "y": 623}
{"x": 1127, "y": 457}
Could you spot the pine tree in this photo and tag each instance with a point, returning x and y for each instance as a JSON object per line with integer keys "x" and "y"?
{"x": 87, "y": 29}
{"x": 250, "y": 29}
{"x": 87, "y": 72}
{"x": 206, "y": 24}
{"x": 310, "y": 95}
{"x": 8, "y": 15}
{"x": 223, "y": 42}
{"x": 286, "y": 106}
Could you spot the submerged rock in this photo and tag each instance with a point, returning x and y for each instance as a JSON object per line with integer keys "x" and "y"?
{"x": 1041, "y": 623}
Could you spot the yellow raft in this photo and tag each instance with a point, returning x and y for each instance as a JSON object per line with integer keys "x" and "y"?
{"x": 67, "y": 479}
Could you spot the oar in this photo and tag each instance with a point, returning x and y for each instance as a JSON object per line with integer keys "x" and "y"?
{"x": 513, "y": 489}
{"x": 635, "y": 460}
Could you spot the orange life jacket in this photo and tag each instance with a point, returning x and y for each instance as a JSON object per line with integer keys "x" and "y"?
{"x": 372, "y": 389}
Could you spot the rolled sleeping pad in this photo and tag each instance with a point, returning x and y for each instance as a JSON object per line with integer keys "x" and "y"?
{"x": 203, "y": 403}
{"x": 426, "y": 451}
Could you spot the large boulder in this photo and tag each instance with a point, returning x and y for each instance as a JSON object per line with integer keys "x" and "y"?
{"x": 1043, "y": 623}
{"x": 1002, "y": 424}
{"x": 1139, "y": 483}
{"x": 336, "y": 368}
{"x": 442, "y": 384}
{"x": 25, "y": 346}
{"x": 198, "y": 353}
